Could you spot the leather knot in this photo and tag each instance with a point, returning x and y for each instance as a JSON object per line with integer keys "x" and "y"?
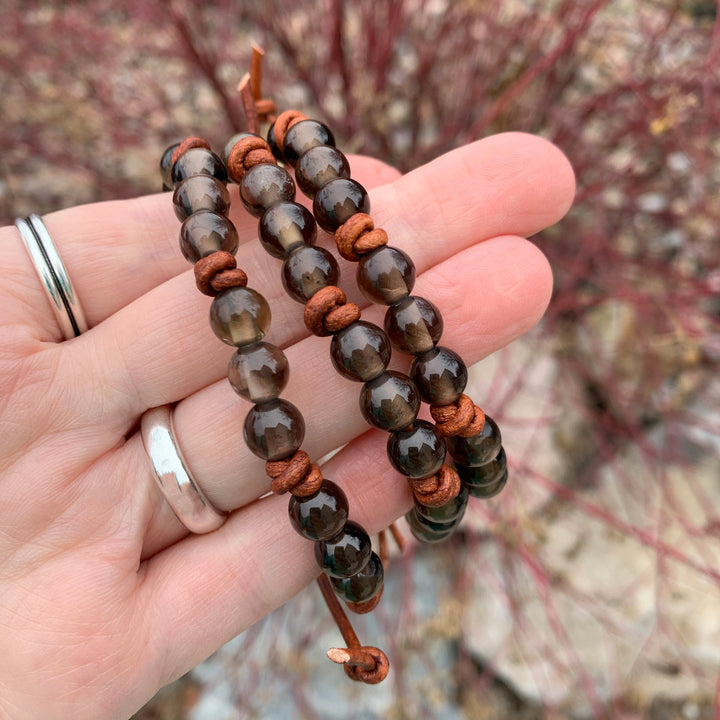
{"x": 247, "y": 153}
{"x": 328, "y": 311}
{"x": 186, "y": 144}
{"x": 296, "y": 475}
{"x": 374, "y": 675}
{"x": 284, "y": 122}
{"x": 217, "y": 272}
{"x": 462, "y": 418}
{"x": 358, "y": 236}
{"x": 436, "y": 490}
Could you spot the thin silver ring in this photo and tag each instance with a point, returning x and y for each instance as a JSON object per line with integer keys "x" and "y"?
{"x": 173, "y": 477}
{"x": 53, "y": 275}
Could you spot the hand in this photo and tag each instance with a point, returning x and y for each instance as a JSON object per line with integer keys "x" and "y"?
{"x": 104, "y": 597}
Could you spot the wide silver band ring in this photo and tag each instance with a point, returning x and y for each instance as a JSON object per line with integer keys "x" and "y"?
{"x": 53, "y": 275}
{"x": 173, "y": 477}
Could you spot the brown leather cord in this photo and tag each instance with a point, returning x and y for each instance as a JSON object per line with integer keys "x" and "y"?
{"x": 263, "y": 106}
{"x": 186, "y": 144}
{"x": 397, "y": 536}
{"x": 438, "y": 489}
{"x": 328, "y": 311}
{"x": 248, "y": 101}
{"x": 383, "y": 551}
{"x": 239, "y": 161}
{"x": 296, "y": 475}
{"x": 362, "y": 663}
{"x": 217, "y": 272}
{"x": 358, "y": 236}
{"x": 284, "y": 122}
{"x": 462, "y": 418}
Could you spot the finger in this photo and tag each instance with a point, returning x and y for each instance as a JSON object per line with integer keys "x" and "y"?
{"x": 117, "y": 251}
{"x": 516, "y": 286}
{"x": 207, "y": 589}
{"x": 159, "y": 349}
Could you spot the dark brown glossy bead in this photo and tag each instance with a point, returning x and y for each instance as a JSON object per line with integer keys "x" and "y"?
{"x": 306, "y": 270}
{"x": 390, "y": 401}
{"x": 346, "y": 553}
{"x": 451, "y": 512}
{"x": 485, "y": 481}
{"x": 234, "y": 140}
{"x": 478, "y": 449}
{"x": 274, "y": 430}
{"x": 286, "y": 226}
{"x": 259, "y": 372}
{"x": 362, "y": 586}
{"x": 166, "y": 165}
{"x": 198, "y": 161}
{"x": 304, "y": 135}
{"x": 204, "y": 233}
{"x": 426, "y": 531}
{"x": 386, "y": 275}
{"x": 272, "y": 142}
{"x": 318, "y": 166}
{"x": 440, "y": 375}
{"x": 265, "y": 185}
{"x": 240, "y": 316}
{"x": 413, "y": 324}
{"x": 417, "y": 451}
{"x": 339, "y": 200}
{"x": 360, "y": 352}
{"x": 200, "y": 192}
{"x": 322, "y": 515}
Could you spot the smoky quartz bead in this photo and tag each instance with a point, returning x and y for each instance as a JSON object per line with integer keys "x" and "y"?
{"x": 258, "y": 372}
{"x": 204, "y": 233}
{"x": 166, "y": 166}
{"x": 417, "y": 451}
{"x": 322, "y": 515}
{"x": 240, "y": 316}
{"x": 286, "y": 226}
{"x": 198, "y": 161}
{"x": 306, "y": 270}
{"x": 272, "y": 142}
{"x": 485, "y": 481}
{"x": 451, "y": 512}
{"x": 440, "y": 375}
{"x": 274, "y": 430}
{"x": 200, "y": 192}
{"x": 390, "y": 401}
{"x": 232, "y": 142}
{"x": 338, "y": 200}
{"x": 427, "y": 531}
{"x": 362, "y": 586}
{"x": 386, "y": 275}
{"x": 302, "y": 136}
{"x": 346, "y": 553}
{"x": 413, "y": 324}
{"x": 318, "y": 166}
{"x": 360, "y": 352}
{"x": 478, "y": 449}
{"x": 265, "y": 185}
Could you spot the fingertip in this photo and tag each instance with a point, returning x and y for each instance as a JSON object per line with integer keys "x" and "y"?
{"x": 371, "y": 171}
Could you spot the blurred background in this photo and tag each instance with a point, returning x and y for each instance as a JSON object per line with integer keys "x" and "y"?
{"x": 591, "y": 587}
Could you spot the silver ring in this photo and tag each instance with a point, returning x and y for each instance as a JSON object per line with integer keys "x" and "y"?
{"x": 53, "y": 275}
{"x": 174, "y": 479}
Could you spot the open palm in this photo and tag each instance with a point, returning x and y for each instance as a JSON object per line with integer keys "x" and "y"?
{"x": 104, "y": 597}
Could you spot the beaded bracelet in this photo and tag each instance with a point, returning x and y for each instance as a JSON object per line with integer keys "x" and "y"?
{"x": 386, "y": 276}
{"x": 258, "y": 371}
{"x": 360, "y": 351}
